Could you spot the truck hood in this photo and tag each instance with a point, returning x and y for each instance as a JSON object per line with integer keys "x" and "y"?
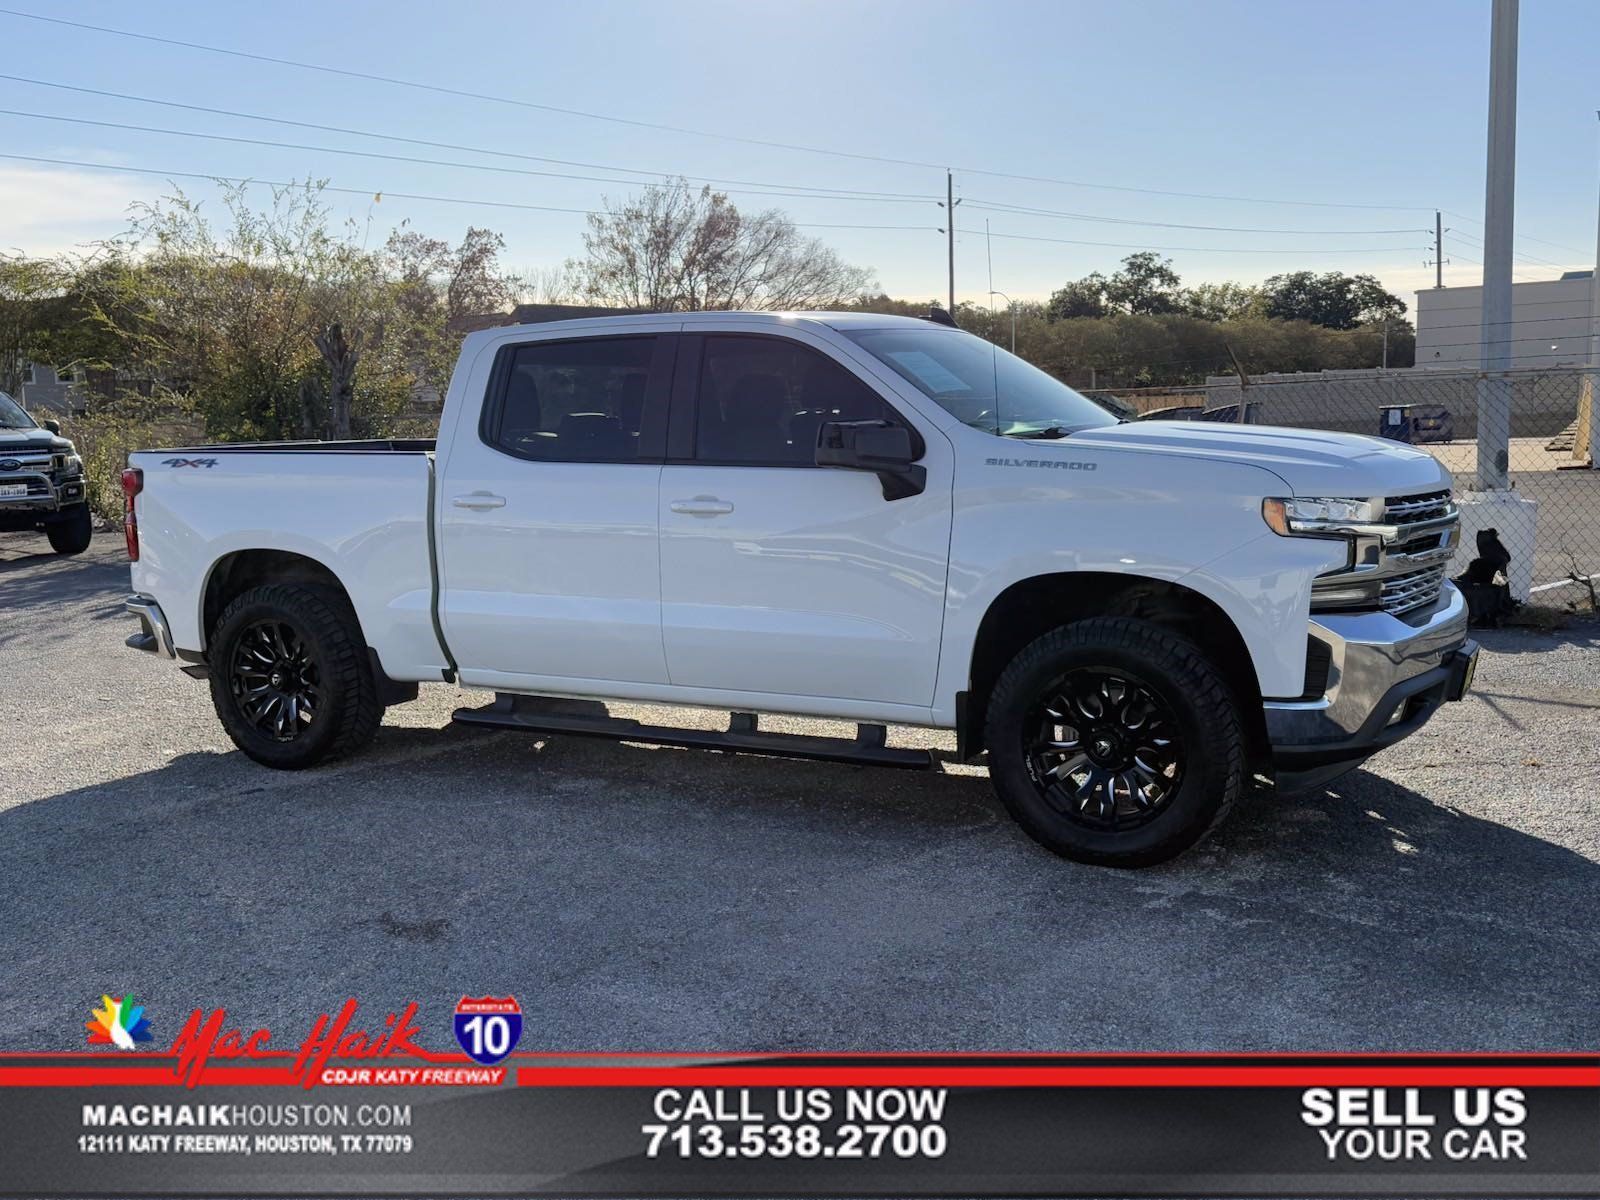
{"x": 15, "y": 439}
{"x": 1312, "y": 462}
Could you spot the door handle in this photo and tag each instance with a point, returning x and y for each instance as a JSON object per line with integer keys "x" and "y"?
{"x": 479, "y": 500}
{"x": 702, "y": 506}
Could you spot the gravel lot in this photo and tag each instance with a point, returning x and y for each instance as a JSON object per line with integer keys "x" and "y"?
{"x": 638, "y": 898}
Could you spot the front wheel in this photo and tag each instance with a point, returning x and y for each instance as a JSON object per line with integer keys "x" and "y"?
{"x": 73, "y": 535}
{"x": 290, "y": 676}
{"x": 1113, "y": 741}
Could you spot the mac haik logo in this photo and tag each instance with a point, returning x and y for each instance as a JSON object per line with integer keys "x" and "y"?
{"x": 207, "y": 1037}
{"x": 488, "y": 1028}
{"x": 118, "y": 1022}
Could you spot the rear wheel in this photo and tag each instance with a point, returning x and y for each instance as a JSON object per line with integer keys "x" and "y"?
{"x": 1113, "y": 741}
{"x": 73, "y": 535}
{"x": 290, "y": 676}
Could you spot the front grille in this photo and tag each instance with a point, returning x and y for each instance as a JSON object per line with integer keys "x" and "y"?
{"x": 1402, "y": 593}
{"x": 1408, "y": 510}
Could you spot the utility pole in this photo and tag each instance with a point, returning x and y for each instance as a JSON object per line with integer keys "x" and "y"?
{"x": 1494, "y": 386}
{"x": 1588, "y": 441}
{"x": 950, "y": 231}
{"x": 1438, "y": 249}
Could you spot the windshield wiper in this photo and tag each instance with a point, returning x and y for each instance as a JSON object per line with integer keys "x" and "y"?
{"x": 1048, "y": 433}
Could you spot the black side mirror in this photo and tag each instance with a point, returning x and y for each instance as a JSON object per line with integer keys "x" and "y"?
{"x": 881, "y": 447}
{"x": 50, "y": 426}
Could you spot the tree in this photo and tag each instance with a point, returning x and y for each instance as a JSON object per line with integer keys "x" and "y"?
{"x": 1084, "y": 297}
{"x": 1332, "y": 299}
{"x": 1145, "y": 284}
{"x": 275, "y": 324}
{"x": 28, "y": 286}
{"x": 1224, "y": 301}
{"x": 672, "y": 249}
{"x": 437, "y": 286}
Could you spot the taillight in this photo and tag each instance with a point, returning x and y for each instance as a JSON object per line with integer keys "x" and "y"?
{"x": 132, "y": 485}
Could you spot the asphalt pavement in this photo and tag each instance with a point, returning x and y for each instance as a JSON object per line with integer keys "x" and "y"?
{"x": 635, "y": 898}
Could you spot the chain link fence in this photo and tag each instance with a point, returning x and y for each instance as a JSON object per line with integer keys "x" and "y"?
{"x": 1549, "y": 519}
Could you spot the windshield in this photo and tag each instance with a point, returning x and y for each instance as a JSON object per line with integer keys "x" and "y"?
{"x": 11, "y": 414}
{"x": 980, "y": 384}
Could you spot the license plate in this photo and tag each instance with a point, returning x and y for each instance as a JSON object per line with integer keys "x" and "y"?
{"x": 13, "y": 489}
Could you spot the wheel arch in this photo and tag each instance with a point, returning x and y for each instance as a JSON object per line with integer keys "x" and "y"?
{"x": 1030, "y": 608}
{"x": 240, "y": 570}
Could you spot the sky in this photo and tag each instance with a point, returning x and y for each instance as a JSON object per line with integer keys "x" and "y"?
{"x": 1305, "y": 135}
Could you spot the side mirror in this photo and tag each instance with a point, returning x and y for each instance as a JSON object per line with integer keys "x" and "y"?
{"x": 881, "y": 447}
{"x": 50, "y": 426}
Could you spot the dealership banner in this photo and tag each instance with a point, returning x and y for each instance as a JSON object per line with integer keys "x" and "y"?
{"x": 359, "y": 1103}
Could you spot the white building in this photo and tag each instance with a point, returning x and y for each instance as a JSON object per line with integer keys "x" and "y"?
{"x": 1550, "y": 324}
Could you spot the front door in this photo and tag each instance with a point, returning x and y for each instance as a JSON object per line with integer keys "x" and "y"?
{"x": 779, "y": 576}
{"x": 549, "y": 565}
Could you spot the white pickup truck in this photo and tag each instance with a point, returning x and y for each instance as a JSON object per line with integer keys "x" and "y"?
{"x": 880, "y": 519}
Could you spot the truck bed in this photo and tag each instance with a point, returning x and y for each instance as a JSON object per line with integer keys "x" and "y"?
{"x": 359, "y": 509}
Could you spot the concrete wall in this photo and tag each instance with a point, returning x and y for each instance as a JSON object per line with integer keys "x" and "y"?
{"x": 1542, "y": 402}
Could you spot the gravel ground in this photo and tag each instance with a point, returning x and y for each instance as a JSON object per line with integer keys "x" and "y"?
{"x": 639, "y": 898}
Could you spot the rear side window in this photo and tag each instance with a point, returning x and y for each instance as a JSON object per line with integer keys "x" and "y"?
{"x": 578, "y": 401}
{"x": 761, "y": 400}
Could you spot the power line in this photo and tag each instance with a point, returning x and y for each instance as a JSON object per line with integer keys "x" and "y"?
{"x": 1203, "y": 249}
{"x": 461, "y": 92}
{"x": 1083, "y": 183}
{"x": 1524, "y": 236}
{"x": 407, "y": 158}
{"x": 376, "y": 194}
{"x": 1025, "y": 210}
{"x": 440, "y": 89}
{"x": 392, "y": 137}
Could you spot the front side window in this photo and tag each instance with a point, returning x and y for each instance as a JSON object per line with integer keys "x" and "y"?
{"x": 579, "y": 401}
{"x": 762, "y": 400}
{"x": 980, "y": 384}
{"x": 11, "y": 414}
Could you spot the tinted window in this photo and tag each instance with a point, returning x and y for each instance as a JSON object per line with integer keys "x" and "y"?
{"x": 980, "y": 384}
{"x": 761, "y": 401}
{"x": 574, "y": 401}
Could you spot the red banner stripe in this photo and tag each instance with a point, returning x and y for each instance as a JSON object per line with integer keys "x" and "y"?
{"x": 1011, "y": 1077}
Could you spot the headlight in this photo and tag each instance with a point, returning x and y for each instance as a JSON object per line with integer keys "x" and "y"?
{"x": 1311, "y": 516}
{"x": 72, "y": 465}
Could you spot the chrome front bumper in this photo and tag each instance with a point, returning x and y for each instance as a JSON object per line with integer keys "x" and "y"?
{"x": 154, "y": 636}
{"x": 1386, "y": 676}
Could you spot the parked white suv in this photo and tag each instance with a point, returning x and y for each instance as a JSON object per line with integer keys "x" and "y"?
{"x": 840, "y": 515}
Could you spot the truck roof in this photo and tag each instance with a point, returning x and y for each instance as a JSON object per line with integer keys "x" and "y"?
{"x": 835, "y": 320}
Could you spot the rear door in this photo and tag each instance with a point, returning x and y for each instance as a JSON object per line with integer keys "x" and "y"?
{"x": 779, "y": 576}
{"x": 549, "y": 566}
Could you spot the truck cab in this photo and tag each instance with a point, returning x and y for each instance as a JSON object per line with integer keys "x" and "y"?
{"x": 839, "y": 515}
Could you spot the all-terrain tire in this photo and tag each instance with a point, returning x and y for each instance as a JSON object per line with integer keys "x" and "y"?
{"x": 73, "y": 535}
{"x": 1198, "y": 705}
{"x": 347, "y": 710}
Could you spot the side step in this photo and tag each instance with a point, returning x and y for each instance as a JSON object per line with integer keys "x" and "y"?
{"x": 589, "y": 718}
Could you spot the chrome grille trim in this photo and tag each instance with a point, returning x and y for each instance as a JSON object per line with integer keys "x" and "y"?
{"x": 1408, "y": 510}
{"x": 1402, "y": 593}
{"x": 29, "y": 462}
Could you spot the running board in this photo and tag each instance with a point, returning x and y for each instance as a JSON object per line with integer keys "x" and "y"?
{"x": 589, "y": 718}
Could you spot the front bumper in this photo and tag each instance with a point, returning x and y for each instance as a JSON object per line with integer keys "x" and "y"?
{"x": 1386, "y": 676}
{"x": 154, "y": 636}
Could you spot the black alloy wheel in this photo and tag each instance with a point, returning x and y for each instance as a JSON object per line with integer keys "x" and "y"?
{"x": 1105, "y": 749}
{"x": 275, "y": 680}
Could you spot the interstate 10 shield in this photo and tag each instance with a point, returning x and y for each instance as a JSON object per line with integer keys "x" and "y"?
{"x": 488, "y": 1028}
